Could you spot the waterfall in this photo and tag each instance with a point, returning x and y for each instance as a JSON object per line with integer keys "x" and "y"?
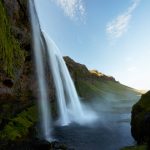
{"x": 69, "y": 105}
{"x": 54, "y": 66}
{"x": 38, "y": 47}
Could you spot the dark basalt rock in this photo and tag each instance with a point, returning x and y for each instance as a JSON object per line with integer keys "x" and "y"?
{"x": 140, "y": 120}
{"x": 8, "y": 82}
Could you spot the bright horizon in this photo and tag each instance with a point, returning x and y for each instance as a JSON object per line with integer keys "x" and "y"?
{"x": 111, "y": 36}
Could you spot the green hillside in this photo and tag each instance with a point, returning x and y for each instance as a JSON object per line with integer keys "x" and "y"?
{"x": 91, "y": 84}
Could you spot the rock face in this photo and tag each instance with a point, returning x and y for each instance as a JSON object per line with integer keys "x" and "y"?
{"x": 18, "y": 87}
{"x": 140, "y": 123}
{"x": 14, "y": 41}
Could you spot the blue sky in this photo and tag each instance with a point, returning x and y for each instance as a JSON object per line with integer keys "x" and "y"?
{"x": 112, "y": 36}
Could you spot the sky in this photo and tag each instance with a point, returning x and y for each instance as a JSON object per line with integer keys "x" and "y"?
{"x": 111, "y": 36}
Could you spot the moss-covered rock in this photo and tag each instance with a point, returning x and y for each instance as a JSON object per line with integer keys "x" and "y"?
{"x": 140, "y": 122}
{"x": 12, "y": 56}
{"x": 18, "y": 127}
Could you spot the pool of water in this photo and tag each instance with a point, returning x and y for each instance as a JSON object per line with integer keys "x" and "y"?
{"x": 111, "y": 131}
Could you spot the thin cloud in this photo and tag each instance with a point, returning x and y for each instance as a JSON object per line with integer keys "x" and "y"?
{"x": 72, "y": 8}
{"x": 120, "y": 24}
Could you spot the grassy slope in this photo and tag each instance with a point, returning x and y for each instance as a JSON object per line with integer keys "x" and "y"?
{"x": 101, "y": 88}
{"x": 94, "y": 83}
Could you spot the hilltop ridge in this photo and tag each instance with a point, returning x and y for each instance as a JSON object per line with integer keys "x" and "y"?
{"x": 82, "y": 70}
{"x": 91, "y": 83}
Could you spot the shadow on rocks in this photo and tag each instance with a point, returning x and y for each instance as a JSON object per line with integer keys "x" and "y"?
{"x": 34, "y": 144}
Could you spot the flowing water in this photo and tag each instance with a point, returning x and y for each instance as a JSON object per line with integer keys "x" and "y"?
{"x": 69, "y": 106}
{"x": 44, "y": 106}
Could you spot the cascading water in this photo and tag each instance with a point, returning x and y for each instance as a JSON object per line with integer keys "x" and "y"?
{"x": 65, "y": 89}
{"x": 69, "y": 105}
{"x": 44, "y": 106}
{"x": 70, "y": 108}
{"x": 53, "y": 64}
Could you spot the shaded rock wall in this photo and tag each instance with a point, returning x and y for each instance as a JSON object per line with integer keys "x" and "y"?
{"x": 17, "y": 79}
{"x": 140, "y": 122}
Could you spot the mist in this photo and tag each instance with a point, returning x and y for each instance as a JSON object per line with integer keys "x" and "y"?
{"x": 111, "y": 128}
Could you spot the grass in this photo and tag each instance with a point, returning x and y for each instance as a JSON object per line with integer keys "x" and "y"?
{"x": 87, "y": 88}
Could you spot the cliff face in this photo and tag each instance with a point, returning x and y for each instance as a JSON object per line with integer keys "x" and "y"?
{"x": 140, "y": 122}
{"x": 16, "y": 71}
{"x": 15, "y": 47}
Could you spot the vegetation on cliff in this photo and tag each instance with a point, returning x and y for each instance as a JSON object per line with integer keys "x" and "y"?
{"x": 18, "y": 127}
{"x": 11, "y": 55}
{"x": 16, "y": 114}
